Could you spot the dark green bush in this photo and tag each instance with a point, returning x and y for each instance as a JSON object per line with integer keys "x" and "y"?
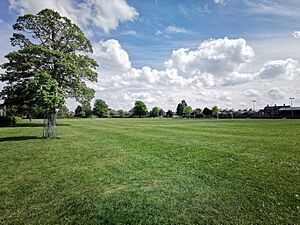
{"x": 7, "y": 121}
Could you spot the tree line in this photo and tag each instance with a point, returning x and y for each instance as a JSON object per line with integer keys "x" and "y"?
{"x": 140, "y": 110}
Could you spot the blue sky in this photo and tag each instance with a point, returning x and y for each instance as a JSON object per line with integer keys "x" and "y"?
{"x": 209, "y": 52}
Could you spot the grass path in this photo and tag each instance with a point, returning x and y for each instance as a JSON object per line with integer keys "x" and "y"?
{"x": 152, "y": 171}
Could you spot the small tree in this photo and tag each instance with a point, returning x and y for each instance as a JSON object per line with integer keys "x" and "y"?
{"x": 113, "y": 113}
{"x": 215, "y": 111}
{"x": 170, "y": 113}
{"x": 121, "y": 113}
{"x": 49, "y": 66}
{"x": 100, "y": 108}
{"x": 154, "y": 112}
{"x": 197, "y": 113}
{"x": 207, "y": 112}
{"x": 162, "y": 112}
{"x": 139, "y": 109}
{"x": 180, "y": 107}
{"x": 187, "y": 111}
{"x": 87, "y": 109}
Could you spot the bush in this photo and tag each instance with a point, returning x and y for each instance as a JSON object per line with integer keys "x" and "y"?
{"x": 7, "y": 121}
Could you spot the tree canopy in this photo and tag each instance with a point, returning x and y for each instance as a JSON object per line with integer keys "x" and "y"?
{"x": 180, "y": 107}
{"x": 187, "y": 111}
{"x": 100, "y": 108}
{"x": 140, "y": 109}
{"x": 51, "y": 64}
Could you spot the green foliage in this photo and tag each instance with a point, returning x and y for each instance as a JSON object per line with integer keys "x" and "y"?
{"x": 7, "y": 121}
{"x": 139, "y": 109}
{"x": 162, "y": 112}
{"x": 215, "y": 110}
{"x": 154, "y": 112}
{"x": 170, "y": 113}
{"x": 187, "y": 111}
{"x": 87, "y": 109}
{"x": 180, "y": 107}
{"x": 100, "y": 108}
{"x": 207, "y": 112}
{"x": 48, "y": 68}
{"x": 121, "y": 113}
{"x": 63, "y": 112}
{"x": 197, "y": 113}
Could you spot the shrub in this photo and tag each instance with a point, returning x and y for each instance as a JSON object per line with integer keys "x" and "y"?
{"x": 7, "y": 121}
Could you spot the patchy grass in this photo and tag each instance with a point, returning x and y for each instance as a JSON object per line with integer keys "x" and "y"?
{"x": 151, "y": 171}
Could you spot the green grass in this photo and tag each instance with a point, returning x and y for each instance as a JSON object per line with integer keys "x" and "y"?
{"x": 152, "y": 171}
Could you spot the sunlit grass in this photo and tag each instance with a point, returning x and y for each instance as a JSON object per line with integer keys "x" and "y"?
{"x": 151, "y": 171}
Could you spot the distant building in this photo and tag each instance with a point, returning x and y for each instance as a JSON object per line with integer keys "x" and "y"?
{"x": 290, "y": 112}
{"x": 272, "y": 111}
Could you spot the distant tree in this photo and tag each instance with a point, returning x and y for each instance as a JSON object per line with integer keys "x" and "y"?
{"x": 170, "y": 113}
{"x": 187, "y": 111}
{"x": 113, "y": 113}
{"x": 51, "y": 65}
{"x": 121, "y": 113}
{"x": 207, "y": 112}
{"x": 215, "y": 110}
{"x": 78, "y": 111}
{"x": 139, "y": 109}
{"x": 100, "y": 108}
{"x": 154, "y": 112}
{"x": 197, "y": 113}
{"x": 180, "y": 107}
{"x": 87, "y": 109}
{"x": 63, "y": 112}
{"x": 162, "y": 112}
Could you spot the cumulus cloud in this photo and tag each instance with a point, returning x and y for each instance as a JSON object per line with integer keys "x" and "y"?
{"x": 221, "y": 57}
{"x": 111, "y": 55}
{"x": 279, "y": 68}
{"x": 99, "y": 13}
{"x": 202, "y": 75}
{"x": 275, "y": 93}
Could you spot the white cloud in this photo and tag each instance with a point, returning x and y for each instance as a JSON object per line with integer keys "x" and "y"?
{"x": 296, "y": 34}
{"x": 129, "y": 33}
{"x": 110, "y": 54}
{"x": 223, "y": 58}
{"x": 279, "y": 68}
{"x": 102, "y": 14}
{"x": 251, "y": 93}
{"x": 275, "y": 93}
{"x": 219, "y": 1}
{"x": 175, "y": 30}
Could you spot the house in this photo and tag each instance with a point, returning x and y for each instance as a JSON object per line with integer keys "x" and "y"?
{"x": 273, "y": 111}
{"x": 290, "y": 112}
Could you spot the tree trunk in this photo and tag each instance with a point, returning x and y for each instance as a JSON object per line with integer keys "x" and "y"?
{"x": 49, "y": 125}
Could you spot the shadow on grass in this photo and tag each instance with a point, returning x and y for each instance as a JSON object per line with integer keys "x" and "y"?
{"x": 32, "y": 125}
{"x": 19, "y": 138}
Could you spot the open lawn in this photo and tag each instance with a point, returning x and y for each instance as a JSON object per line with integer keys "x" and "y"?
{"x": 151, "y": 171}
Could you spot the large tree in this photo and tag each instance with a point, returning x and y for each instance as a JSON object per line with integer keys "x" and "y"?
{"x": 51, "y": 65}
{"x": 140, "y": 109}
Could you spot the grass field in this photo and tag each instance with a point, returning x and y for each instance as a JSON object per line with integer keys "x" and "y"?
{"x": 151, "y": 171}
